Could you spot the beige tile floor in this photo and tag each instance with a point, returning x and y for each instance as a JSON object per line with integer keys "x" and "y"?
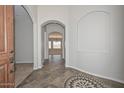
{"x": 22, "y": 71}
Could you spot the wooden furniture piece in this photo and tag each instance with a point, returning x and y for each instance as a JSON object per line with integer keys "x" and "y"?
{"x": 6, "y": 46}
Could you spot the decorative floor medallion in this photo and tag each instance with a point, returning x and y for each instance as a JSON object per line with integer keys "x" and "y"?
{"x": 83, "y": 81}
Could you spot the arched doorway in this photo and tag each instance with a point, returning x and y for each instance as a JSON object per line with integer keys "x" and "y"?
{"x": 53, "y": 40}
{"x": 23, "y": 44}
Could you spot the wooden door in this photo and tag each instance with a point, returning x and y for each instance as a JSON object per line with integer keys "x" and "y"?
{"x": 6, "y": 47}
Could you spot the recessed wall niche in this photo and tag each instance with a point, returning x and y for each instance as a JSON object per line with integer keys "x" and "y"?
{"x": 93, "y": 32}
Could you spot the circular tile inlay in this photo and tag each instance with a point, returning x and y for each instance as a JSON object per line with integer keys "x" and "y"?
{"x": 83, "y": 81}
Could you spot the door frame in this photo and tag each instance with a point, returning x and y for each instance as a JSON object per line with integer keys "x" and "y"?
{"x": 42, "y": 32}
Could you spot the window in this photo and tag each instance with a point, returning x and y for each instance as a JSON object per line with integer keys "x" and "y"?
{"x": 49, "y": 44}
{"x": 56, "y": 44}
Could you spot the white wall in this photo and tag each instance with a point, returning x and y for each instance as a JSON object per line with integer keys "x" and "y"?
{"x": 23, "y": 36}
{"x": 104, "y": 58}
{"x": 46, "y": 13}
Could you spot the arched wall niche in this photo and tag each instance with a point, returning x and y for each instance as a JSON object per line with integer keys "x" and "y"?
{"x": 93, "y": 32}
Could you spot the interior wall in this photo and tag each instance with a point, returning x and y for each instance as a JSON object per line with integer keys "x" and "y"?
{"x": 101, "y": 51}
{"x": 23, "y": 36}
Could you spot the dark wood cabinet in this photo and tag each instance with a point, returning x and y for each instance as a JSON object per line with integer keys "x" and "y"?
{"x": 6, "y": 46}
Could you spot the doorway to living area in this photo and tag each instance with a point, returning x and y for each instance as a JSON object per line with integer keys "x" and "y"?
{"x": 53, "y": 41}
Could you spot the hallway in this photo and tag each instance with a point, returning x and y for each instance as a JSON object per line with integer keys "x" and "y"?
{"x": 48, "y": 76}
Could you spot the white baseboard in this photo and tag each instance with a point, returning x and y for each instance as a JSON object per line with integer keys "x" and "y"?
{"x": 23, "y": 62}
{"x": 38, "y": 67}
{"x": 34, "y": 68}
{"x": 101, "y": 76}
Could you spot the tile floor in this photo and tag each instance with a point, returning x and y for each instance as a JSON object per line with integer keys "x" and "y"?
{"x": 54, "y": 74}
{"x": 22, "y": 70}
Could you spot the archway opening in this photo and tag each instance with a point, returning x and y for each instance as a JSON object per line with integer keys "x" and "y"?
{"x": 23, "y": 44}
{"x": 53, "y": 41}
